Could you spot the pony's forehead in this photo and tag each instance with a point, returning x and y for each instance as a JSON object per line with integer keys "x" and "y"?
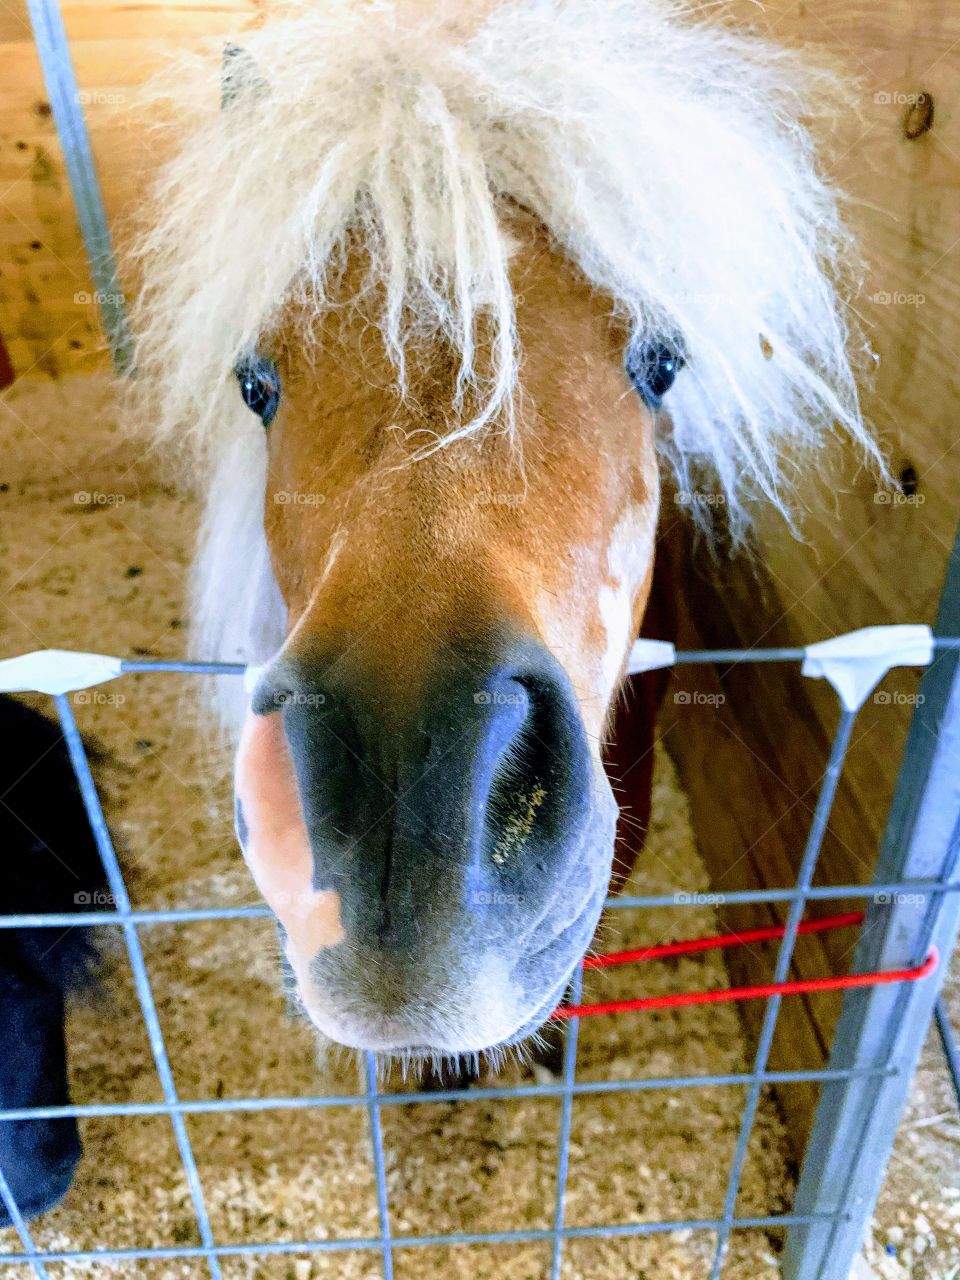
{"x": 666, "y": 156}
{"x": 549, "y": 295}
{"x": 345, "y": 398}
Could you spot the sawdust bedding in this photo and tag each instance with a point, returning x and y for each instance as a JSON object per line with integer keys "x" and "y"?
{"x": 94, "y": 548}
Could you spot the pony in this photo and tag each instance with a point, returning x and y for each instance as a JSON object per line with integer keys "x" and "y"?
{"x": 429, "y": 301}
{"x": 51, "y": 865}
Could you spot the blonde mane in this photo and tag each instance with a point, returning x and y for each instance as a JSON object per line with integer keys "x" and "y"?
{"x": 668, "y": 156}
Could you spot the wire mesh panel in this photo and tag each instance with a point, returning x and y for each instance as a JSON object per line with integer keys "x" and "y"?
{"x": 853, "y": 1132}
{"x": 835, "y": 1195}
{"x": 823, "y": 1216}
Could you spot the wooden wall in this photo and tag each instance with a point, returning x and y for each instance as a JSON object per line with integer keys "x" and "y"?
{"x": 41, "y": 259}
{"x": 751, "y": 751}
{"x": 751, "y": 762}
{"x": 48, "y": 317}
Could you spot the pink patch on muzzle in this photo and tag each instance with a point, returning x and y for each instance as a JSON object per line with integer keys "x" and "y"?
{"x": 277, "y": 845}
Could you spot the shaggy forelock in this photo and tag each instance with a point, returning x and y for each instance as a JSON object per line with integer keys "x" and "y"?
{"x": 663, "y": 152}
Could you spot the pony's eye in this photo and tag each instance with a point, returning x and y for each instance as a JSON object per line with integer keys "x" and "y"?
{"x": 259, "y": 386}
{"x": 652, "y": 368}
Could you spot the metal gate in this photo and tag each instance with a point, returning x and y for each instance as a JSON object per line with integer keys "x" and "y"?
{"x": 911, "y": 907}
{"x": 912, "y": 912}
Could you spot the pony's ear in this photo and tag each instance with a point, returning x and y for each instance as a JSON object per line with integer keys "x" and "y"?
{"x": 239, "y": 76}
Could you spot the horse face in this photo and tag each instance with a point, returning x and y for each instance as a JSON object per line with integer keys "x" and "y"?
{"x": 419, "y": 787}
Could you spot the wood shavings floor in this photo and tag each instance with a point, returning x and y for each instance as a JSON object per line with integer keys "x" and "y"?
{"x": 94, "y": 551}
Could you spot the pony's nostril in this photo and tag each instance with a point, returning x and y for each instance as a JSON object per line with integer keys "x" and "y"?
{"x": 539, "y": 776}
{"x": 280, "y": 688}
{"x": 271, "y": 694}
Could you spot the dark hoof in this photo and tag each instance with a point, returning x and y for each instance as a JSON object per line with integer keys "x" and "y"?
{"x": 37, "y": 1190}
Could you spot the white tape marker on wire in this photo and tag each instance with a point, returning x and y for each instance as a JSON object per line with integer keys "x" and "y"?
{"x": 855, "y": 663}
{"x": 650, "y": 655}
{"x": 56, "y": 671}
{"x": 252, "y": 675}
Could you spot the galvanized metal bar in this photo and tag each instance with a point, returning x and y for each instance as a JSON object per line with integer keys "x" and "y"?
{"x": 948, "y": 1041}
{"x": 719, "y": 657}
{"x": 379, "y": 1164}
{"x": 101, "y": 834}
{"x": 23, "y": 1231}
{"x": 191, "y": 915}
{"x": 568, "y": 1087}
{"x": 368, "y": 1243}
{"x": 181, "y": 666}
{"x": 808, "y": 865}
{"x": 53, "y": 51}
{"x": 855, "y": 1127}
{"x": 517, "y": 1093}
{"x": 816, "y": 893}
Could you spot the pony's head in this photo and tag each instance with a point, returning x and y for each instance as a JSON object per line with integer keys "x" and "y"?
{"x": 423, "y": 750}
{"x": 415, "y": 296}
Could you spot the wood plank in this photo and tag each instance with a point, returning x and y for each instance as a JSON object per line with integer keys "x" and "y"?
{"x": 866, "y": 560}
